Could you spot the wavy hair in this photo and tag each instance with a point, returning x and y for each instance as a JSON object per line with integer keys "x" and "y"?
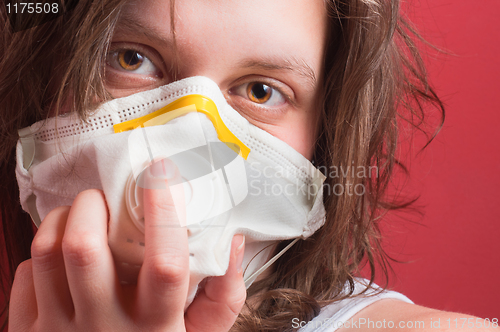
{"x": 374, "y": 81}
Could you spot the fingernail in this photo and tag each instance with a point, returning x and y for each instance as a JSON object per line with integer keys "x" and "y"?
{"x": 163, "y": 169}
{"x": 239, "y": 243}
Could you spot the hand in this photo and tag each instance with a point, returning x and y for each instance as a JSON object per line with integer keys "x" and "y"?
{"x": 70, "y": 284}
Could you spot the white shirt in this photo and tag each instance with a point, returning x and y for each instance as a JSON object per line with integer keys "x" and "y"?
{"x": 339, "y": 313}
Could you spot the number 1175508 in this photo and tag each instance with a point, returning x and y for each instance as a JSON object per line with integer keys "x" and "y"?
{"x": 32, "y": 8}
{"x": 461, "y": 323}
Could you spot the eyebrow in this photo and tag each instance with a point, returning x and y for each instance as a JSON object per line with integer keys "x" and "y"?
{"x": 152, "y": 34}
{"x": 292, "y": 64}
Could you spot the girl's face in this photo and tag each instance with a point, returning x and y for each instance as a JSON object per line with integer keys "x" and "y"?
{"x": 266, "y": 56}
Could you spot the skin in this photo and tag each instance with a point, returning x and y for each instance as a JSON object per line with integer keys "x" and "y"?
{"x": 70, "y": 283}
{"x": 246, "y": 44}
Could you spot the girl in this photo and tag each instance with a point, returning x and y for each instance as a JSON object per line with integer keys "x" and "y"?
{"x": 325, "y": 77}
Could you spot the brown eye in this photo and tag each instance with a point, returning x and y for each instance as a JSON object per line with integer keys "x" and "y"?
{"x": 130, "y": 59}
{"x": 259, "y": 92}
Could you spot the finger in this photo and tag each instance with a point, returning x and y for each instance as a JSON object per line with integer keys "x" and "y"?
{"x": 164, "y": 276}
{"x": 89, "y": 264}
{"x": 220, "y": 302}
{"x": 49, "y": 274}
{"x": 23, "y": 309}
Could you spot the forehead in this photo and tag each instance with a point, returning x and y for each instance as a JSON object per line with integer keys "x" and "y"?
{"x": 236, "y": 29}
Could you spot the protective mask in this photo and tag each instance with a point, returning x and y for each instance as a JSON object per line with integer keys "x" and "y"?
{"x": 235, "y": 177}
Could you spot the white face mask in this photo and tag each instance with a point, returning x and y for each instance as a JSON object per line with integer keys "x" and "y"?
{"x": 251, "y": 183}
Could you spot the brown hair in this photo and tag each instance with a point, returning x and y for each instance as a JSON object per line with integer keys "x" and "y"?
{"x": 374, "y": 78}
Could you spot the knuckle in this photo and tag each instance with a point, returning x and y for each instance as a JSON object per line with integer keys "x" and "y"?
{"x": 82, "y": 251}
{"x": 46, "y": 245}
{"x": 57, "y": 213}
{"x": 45, "y": 249}
{"x": 24, "y": 269}
{"x": 238, "y": 304}
{"x": 237, "y": 300}
{"x": 165, "y": 270}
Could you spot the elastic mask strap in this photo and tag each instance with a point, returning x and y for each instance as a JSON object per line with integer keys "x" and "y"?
{"x": 28, "y": 144}
{"x": 251, "y": 279}
{"x": 31, "y": 203}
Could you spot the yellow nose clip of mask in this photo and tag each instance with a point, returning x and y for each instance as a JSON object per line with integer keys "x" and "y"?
{"x": 182, "y": 106}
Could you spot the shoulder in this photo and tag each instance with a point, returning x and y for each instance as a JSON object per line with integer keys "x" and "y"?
{"x": 390, "y": 314}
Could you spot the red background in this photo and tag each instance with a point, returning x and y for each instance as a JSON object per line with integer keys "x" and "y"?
{"x": 455, "y": 251}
